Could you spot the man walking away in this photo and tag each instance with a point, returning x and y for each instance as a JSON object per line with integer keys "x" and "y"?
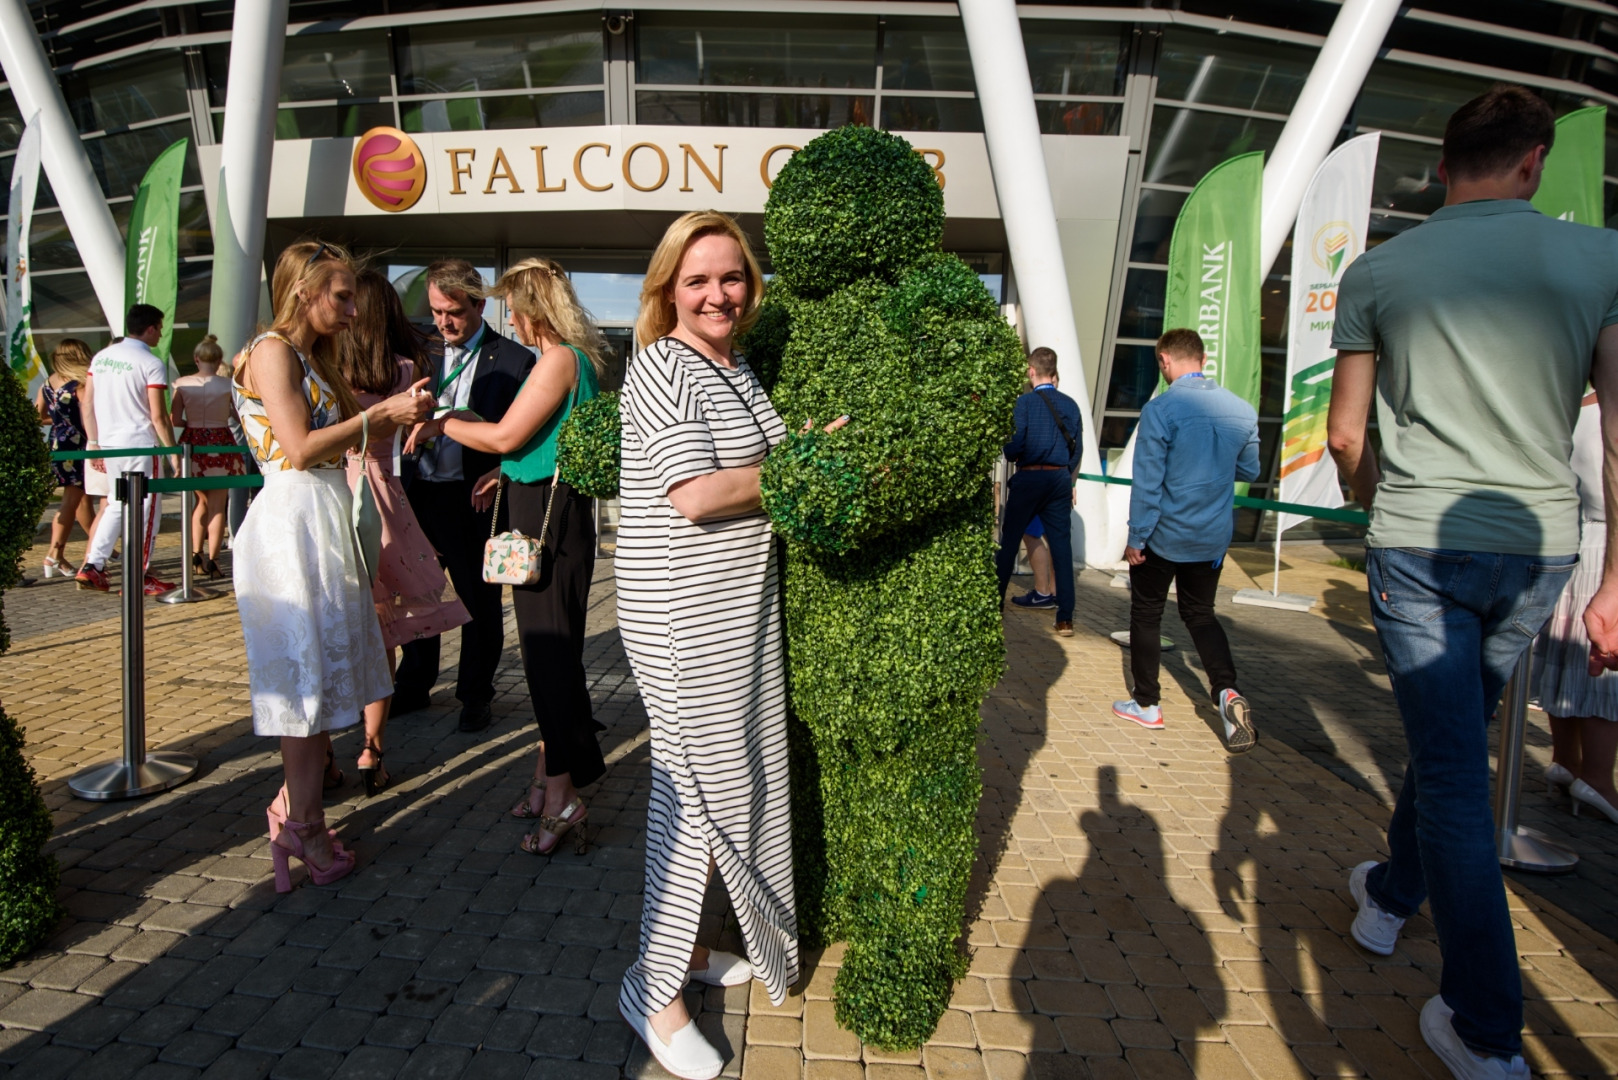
{"x": 1195, "y": 441}
{"x": 481, "y": 371}
{"x": 123, "y": 405}
{"x": 1045, "y": 449}
{"x": 1474, "y": 332}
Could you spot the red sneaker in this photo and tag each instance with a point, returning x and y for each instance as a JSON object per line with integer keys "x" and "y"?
{"x": 156, "y": 587}
{"x": 92, "y": 578}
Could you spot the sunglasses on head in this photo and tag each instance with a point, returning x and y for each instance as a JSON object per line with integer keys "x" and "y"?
{"x": 319, "y": 251}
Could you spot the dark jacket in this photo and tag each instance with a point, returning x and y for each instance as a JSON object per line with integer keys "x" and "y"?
{"x": 502, "y": 366}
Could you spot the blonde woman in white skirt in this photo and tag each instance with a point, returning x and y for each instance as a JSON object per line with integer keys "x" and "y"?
{"x": 1583, "y": 709}
{"x": 314, "y": 646}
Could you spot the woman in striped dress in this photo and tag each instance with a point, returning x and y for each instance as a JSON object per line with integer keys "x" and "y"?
{"x": 699, "y": 611}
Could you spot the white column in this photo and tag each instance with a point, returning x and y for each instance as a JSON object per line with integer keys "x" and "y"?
{"x": 84, "y": 207}
{"x": 258, "y": 40}
{"x": 1022, "y": 187}
{"x": 1345, "y": 59}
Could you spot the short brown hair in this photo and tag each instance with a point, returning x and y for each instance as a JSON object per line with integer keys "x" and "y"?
{"x": 1043, "y": 360}
{"x": 1494, "y": 131}
{"x": 1183, "y": 343}
{"x": 456, "y": 276}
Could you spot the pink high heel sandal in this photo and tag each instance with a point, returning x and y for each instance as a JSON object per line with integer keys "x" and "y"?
{"x": 277, "y": 818}
{"x": 287, "y": 841}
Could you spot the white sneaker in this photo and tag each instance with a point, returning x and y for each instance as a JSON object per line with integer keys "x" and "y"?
{"x": 688, "y": 1055}
{"x": 1438, "y": 1029}
{"x": 1240, "y": 735}
{"x": 1373, "y": 927}
{"x": 724, "y": 969}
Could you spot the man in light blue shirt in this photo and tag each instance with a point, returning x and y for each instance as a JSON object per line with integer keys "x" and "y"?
{"x": 1195, "y": 440}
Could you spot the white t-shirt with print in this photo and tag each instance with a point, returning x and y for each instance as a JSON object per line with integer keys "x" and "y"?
{"x": 120, "y": 375}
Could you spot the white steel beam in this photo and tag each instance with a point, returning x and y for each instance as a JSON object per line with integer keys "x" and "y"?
{"x": 1022, "y": 188}
{"x": 254, "y": 80}
{"x": 1329, "y": 92}
{"x": 84, "y": 206}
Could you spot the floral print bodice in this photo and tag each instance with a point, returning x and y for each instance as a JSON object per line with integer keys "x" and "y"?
{"x": 324, "y": 411}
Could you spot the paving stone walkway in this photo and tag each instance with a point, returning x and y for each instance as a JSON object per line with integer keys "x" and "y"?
{"x": 1144, "y": 905}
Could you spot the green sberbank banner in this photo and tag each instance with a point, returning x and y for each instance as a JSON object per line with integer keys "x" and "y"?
{"x": 1214, "y": 274}
{"x": 1571, "y": 186}
{"x": 151, "y": 274}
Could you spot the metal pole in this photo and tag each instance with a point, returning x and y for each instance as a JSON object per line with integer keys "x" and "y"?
{"x": 1521, "y": 848}
{"x": 187, "y": 592}
{"x": 137, "y": 773}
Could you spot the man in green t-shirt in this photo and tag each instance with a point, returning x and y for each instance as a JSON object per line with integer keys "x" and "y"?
{"x": 1475, "y": 332}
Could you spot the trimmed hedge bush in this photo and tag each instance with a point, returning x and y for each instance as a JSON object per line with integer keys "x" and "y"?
{"x": 28, "y": 876}
{"x": 587, "y": 447}
{"x": 893, "y": 621}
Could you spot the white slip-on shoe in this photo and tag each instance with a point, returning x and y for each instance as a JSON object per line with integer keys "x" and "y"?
{"x": 1557, "y": 776}
{"x": 1585, "y": 795}
{"x": 688, "y": 1055}
{"x": 1373, "y": 927}
{"x": 724, "y": 969}
{"x": 1438, "y": 1031}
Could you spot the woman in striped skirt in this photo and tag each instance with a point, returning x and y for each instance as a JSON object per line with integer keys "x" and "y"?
{"x": 699, "y": 611}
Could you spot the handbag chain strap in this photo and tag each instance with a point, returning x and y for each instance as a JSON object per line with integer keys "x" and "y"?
{"x": 545, "y": 526}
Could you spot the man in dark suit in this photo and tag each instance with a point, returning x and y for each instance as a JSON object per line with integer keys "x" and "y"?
{"x": 481, "y": 371}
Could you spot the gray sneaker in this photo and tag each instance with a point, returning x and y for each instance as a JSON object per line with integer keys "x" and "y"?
{"x": 1438, "y": 1030}
{"x": 1240, "y": 734}
{"x": 1373, "y": 927}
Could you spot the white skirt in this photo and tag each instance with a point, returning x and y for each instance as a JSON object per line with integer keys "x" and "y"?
{"x": 1564, "y": 682}
{"x": 314, "y": 645}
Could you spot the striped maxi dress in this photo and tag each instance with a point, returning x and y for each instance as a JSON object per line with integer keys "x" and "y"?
{"x": 699, "y": 612}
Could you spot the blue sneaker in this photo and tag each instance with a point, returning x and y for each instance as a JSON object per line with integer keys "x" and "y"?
{"x": 1147, "y": 716}
{"x": 1033, "y": 598}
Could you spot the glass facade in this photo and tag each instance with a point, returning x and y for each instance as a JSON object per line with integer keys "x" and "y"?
{"x": 1186, "y": 90}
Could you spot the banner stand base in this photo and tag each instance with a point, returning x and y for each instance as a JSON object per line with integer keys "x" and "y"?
{"x": 1285, "y": 601}
{"x": 1528, "y": 849}
{"x": 114, "y": 780}
{"x": 183, "y": 595}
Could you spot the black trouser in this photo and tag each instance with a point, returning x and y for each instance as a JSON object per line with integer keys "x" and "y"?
{"x": 550, "y": 626}
{"x": 1046, "y": 494}
{"x": 458, "y": 533}
{"x": 1149, "y": 590}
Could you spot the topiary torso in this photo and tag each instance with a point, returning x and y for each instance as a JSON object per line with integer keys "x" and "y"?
{"x": 892, "y": 606}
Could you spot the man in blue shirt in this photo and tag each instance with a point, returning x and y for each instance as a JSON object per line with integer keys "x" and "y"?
{"x": 1195, "y": 440}
{"x": 1045, "y": 449}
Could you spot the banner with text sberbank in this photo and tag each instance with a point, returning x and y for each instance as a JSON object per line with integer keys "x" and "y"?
{"x": 1213, "y": 284}
{"x": 1571, "y": 188}
{"x": 1330, "y": 234}
{"x": 20, "y": 353}
{"x": 151, "y": 273}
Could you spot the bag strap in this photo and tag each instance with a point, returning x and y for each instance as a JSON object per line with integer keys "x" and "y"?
{"x": 1059, "y": 426}
{"x": 746, "y": 408}
{"x": 556, "y": 474}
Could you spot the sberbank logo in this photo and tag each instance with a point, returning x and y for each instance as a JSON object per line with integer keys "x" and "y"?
{"x": 389, "y": 169}
{"x": 1333, "y": 247}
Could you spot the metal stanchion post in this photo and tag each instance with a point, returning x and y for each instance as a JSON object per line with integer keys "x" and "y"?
{"x": 138, "y": 773}
{"x": 188, "y": 591}
{"x": 1521, "y": 848}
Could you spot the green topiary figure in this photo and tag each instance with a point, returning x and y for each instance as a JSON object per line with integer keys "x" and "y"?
{"x": 28, "y": 876}
{"x": 893, "y": 620}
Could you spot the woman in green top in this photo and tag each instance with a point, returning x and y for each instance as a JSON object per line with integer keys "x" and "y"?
{"x": 546, "y": 315}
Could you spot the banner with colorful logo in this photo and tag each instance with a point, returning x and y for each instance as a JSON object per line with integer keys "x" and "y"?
{"x": 1330, "y": 234}
{"x": 1571, "y": 187}
{"x": 151, "y": 275}
{"x": 20, "y": 352}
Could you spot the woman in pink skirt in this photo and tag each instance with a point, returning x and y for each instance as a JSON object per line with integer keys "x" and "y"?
{"x": 380, "y": 355}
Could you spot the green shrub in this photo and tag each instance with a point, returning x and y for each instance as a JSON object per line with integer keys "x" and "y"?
{"x": 893, "y": 622}
{"x": 587, "y": 447}
{"x": 28, "y": 876}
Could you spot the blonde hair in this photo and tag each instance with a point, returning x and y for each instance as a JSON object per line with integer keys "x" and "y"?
{"x": 657, "y": 316}
{"x": 308, "y": 266}
{"x": 208, "y": 351}
{"x": 71, "y": 359}
{"x": 539, "y": 291}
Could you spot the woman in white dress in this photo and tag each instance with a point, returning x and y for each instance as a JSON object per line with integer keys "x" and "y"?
{"x": 314, "y": 646}
{"x": 700, "y": 615}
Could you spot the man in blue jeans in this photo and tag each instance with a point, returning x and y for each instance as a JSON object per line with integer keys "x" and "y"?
{"x": 1475, "y": 333}
{"x": 1045, "y": 448}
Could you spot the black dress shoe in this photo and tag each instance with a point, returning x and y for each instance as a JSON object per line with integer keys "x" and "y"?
{"x": 408, "y": 703}
{"x": 476, "y": 717}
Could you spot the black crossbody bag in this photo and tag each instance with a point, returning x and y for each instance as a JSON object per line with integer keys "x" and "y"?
{"x": 1072, "y": 443}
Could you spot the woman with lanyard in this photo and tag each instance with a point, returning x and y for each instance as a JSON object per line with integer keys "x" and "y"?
{"x": 546, "y": 315}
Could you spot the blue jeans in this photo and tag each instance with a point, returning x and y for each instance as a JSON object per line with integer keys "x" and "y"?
{"x": 1048, "y": 495}
{"x": 1452, "y": 625}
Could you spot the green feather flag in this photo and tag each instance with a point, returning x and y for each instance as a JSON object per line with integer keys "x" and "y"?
{"x": 152, "y": 269}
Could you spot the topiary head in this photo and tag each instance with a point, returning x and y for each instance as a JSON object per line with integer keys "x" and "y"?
{"x": 852, "y": 203}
